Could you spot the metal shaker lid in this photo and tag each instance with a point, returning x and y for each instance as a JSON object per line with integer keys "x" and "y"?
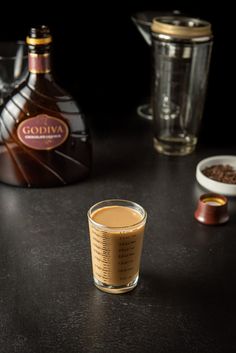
{"x": 181, "y": 27}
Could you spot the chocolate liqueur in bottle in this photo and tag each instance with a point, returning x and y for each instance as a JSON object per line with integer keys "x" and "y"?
{"x": 43, "y": 138}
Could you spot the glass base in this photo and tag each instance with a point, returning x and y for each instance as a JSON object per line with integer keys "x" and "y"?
{"x": 116, "y": 289}
{"x": 145, "y": 111}
{"x": 175, "y": 146}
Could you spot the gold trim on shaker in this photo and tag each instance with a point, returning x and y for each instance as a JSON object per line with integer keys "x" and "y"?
{"x": 183, "y": 27}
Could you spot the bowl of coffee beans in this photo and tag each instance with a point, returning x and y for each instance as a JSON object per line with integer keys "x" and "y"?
{"x": 218, "y": 174}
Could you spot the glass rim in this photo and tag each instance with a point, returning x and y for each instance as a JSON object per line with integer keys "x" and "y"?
{"x": 103, "y": 226}
{"x": 17, "y": 42}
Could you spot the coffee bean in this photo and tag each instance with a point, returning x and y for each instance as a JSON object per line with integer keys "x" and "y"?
{"x": 220, "y": 172}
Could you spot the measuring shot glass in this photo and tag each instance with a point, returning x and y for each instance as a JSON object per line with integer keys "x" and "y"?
{"x": 116, "y": 237}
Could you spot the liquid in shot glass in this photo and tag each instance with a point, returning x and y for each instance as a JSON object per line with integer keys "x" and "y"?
{"x": 116, "y": 237}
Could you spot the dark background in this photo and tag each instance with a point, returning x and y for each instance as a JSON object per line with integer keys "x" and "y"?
{"x": 102, "y": 60}
{"x": 185, "y": 301}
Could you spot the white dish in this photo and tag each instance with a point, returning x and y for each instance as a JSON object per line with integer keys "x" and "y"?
{"x": 212, "y": 185}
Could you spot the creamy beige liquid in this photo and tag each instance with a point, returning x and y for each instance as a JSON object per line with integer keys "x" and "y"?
{"x": 116, "y": 252}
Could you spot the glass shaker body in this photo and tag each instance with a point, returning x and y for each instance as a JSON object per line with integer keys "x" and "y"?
{"x": 182, "y": 52}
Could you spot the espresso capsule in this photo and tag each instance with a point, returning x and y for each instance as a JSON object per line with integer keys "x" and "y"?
{"x": 212, "y": 209}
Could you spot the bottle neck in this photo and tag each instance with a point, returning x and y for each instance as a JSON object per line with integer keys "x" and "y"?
{"x": 39, "y": 63}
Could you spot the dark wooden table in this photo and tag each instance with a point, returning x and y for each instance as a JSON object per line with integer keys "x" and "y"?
{"x": 185, "y": 299}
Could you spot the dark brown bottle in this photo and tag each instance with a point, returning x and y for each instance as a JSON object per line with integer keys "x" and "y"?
{"x": 43, "y": 137}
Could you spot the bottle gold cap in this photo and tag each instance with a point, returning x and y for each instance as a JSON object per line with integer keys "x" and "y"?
{"x": 38, "y": 41}
{"x": 181, "y": 27}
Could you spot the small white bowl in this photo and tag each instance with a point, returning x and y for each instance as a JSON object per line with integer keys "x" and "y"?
{"x": 212, "y": 185}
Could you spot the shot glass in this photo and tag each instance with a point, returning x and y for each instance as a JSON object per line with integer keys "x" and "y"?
{"x": 116, "y": 237}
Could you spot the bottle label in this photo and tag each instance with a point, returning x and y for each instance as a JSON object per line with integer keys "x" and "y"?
{"x": 39, "y": 63}
{"x": 42, "y": 132}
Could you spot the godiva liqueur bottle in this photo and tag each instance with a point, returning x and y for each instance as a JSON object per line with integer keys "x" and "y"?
{"x": 44, "y": 141}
